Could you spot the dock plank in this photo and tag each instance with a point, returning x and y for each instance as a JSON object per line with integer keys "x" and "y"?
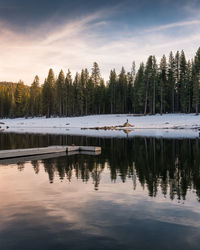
{"x": 4, "y": 154}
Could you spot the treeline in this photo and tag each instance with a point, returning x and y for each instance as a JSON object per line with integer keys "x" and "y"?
{"x": 169, "y": 86}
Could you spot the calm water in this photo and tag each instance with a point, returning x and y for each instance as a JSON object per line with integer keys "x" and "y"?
{"x": 140, "y": 193}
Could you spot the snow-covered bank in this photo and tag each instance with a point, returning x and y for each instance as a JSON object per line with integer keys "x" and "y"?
{"x": 168, "y": 125}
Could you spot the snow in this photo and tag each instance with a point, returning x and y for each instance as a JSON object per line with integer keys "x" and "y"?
{"x": 167, "y": 125}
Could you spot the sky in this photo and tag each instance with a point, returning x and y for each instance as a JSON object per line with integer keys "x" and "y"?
{"x": 61, "y": 34}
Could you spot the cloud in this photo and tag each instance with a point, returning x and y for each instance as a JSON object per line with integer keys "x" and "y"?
{"x": 78, "y": 43}
{"x": 174, "y": 25}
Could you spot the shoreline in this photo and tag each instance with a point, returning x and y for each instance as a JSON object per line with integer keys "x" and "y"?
{"x": 166, "y": 126}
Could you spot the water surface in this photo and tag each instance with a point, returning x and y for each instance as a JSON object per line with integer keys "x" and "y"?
{"x": 140, "y": 193}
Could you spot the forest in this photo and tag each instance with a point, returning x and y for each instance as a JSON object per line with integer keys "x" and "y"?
{"x": 171, "y": 85}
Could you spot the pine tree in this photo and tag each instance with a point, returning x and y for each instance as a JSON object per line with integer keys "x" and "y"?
{"x": 26, "y": 102}
{"x": 130, "y": 83}
{"x": 90, "y": 89}
{"x": 189, "y": 86}
{"x": 171, "y": 80}
{"x": 196, "y": 78}
{"x": 96, "y": 76}
{"x": 84, "y": 83}
{"x": 177, "y": 80}
{"x": 48, "y": 94}
{"x": 19, "y": 93}
{"x": 35, "y": 99}
{"x": 149, "y": 76}
{"x": 100, "y": 97}
{"x": 68, "y": 97}
{"x": 196, "y": 94}
{"x": 154, "y": 79}
{"x": 112, "y": 85}
{"x": 60, "y": 84}
{"x": 183, "y": 83}
{"x": 139, "y": 90}
{"x": 78, "y": 95}
{"x": 122, "y": 92}
{"x": 163, "y": 81}
{"x": 12, "y": 104}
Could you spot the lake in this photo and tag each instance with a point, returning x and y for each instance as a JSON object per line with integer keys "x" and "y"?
{"x": 139, "y": 193}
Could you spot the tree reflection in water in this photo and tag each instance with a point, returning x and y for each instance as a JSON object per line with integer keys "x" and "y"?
{"x": 171, "y": 165}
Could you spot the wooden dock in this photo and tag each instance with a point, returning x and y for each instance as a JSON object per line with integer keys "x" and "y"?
{"x": 16, "y": 160}
{"x": 6, "y": 154}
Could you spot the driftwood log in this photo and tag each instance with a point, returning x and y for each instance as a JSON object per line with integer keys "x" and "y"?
{"x": 118, "y": 127}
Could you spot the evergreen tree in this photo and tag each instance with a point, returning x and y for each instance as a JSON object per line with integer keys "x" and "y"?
{"x": 19, "y": 94}
{"x": 11, "y": 102}
{"x": 130, "y": 83}
{"x": 90, "y": 90}
{"x": 48, "y": 94}
{"x": 154, "y": 79}
{"x": 35, "y": 98}
{"x": 139, "y": 90}
{"x": 183, "y": 83}
{"x": 196, "y": 79}
{"x": 171, "y": 80}
{"x": 112, "y": 86}
{"x": 84, "y": 83}
{"x": 122, "y": 92}
{"x": 189, "y": 86}
{"x": 60, "y": 94}
{"x": 149, "y": 78}
{"x": 78, "y": 95}
{"x": 163, "y": 82}
{"x": 177, "y": 80}
{"x": 100, "y": 99}
{"x": 96, "y": 76}
{"x": 69, "y": 94}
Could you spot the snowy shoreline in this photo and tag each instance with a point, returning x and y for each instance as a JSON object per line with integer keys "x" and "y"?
{"x": 166, "y": 126}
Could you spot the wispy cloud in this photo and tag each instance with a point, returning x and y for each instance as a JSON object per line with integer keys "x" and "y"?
{"x": 79, "y": 43}
{"x": 174, "y": 25}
